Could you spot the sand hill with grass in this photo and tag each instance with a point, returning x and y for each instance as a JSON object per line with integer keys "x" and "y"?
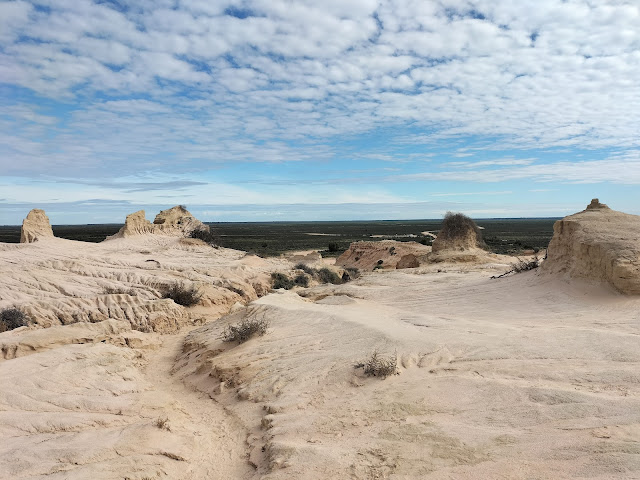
{"x": 432, "y": 372}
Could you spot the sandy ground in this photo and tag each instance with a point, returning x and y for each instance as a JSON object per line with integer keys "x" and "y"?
{"x": 531, "y": 376}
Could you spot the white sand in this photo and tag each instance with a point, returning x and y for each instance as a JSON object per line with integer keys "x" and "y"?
{"x": 525, "y": 377}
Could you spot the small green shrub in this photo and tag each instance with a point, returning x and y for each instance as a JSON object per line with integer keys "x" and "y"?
{"x": 306, "y": 269}
{"x": 280, "y": 280}
{"x": 12, "y": 318}
{"x": 326, "y": 275}
{"x": 302, "y": 280}
{"x": 183, "y": 295}
{"x": 244, "y": 330}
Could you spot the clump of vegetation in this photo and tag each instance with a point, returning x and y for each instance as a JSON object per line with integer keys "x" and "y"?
{"x": 522, "y": 265}
{"x": 456, "y": 226}
{"x": 205, "y": 235}
{"x": 333, "y": 247}
{"x": 244, "y": 330}
{"x": 162, "y": 424}
{"x": 302, "y": 280}
{"x": 380, "y": 365}
{"x": 305, "y": 268}
{"x": 121, "y": 290}
{"x": 12, "y": 318}
{"x": 182, "y": 294}
{"x": 350, "y": 273}
{"x": 233, "y": 289}
{"x": 326, "y": 275}
{"x": 280, "y": 280}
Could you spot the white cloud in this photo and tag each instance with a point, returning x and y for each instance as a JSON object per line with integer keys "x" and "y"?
{"x": 153, "y": 85}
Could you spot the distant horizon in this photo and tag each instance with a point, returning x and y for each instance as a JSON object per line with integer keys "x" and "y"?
{"x": 309, "y": 221}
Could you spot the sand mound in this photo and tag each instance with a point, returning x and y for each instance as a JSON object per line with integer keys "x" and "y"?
{"x": 599, "y": 244}
{"x": 36, "y": 225}
{"x": 174, "y": 221}
{"x": 385, "y": 254}
{"x": 458, "y": 233}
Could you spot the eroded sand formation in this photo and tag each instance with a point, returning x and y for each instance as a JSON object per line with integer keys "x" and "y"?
{"x": 174, "y": 221}
{"x": 385, "y": 254}
{"x": 597, "y": 244}
{"x": 530, "y": 376}
{"x": 36, "y": 225}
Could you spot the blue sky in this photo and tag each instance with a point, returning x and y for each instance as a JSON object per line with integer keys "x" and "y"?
{"x": 306, "y": 110}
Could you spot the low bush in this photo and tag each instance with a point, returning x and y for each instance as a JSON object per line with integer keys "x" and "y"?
{"x": 205, "y": 235}
{"x": 306, "y": 269}
{"x": 326, "y": 275}
{"x": 302, "y": 280}
{"x": 280, "y": 280}
{"x": 380, "y": 366}
{"x": 525, "y": 265}
{"x": 244, "y": 330}
{"x": 350, "y": 273}
{"x": 12, "y": 318}
{"x": 183, "y": 295}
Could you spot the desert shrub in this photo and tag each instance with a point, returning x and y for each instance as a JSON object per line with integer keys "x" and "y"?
{"x": 233, "y": 289}
{"x": 333, "y": 247}
{"x": 380, "y": 366}
{"x": 205, "y": 235}
{"x": 301, "y": 280}
{"x": 183, "y": 295}
{"x": 244, "y": 330}
{"x": 121, "y": 290}
{"x": 350, "y": 273}
{"x": 457, "y": 226}
{"x": 523, "y": 265}
{"x": 12, "y": 318}
{"x": 326, "y": 275}
{"x": 306, "y": 269}
{"x": 280, "y": 280}
{"x": 380, "y": 262}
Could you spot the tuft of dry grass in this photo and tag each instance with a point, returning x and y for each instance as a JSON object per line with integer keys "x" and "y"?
{"x": 162, "y": 424}
{"x": 244, "y": 330}
{"x": 379, "y": 365}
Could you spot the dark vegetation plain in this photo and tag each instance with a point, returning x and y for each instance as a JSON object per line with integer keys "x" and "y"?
{"x": 267, "y": 239}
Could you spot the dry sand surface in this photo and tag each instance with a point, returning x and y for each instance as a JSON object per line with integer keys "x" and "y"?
{"x": 531, "y": 376}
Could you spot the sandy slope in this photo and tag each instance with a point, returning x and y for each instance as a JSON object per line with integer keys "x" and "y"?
{"x": 519, "y": 378}
{"x": 60, "y": 281}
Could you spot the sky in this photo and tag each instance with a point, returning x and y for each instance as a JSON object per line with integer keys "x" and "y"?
{"x": 318, "y": 110}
